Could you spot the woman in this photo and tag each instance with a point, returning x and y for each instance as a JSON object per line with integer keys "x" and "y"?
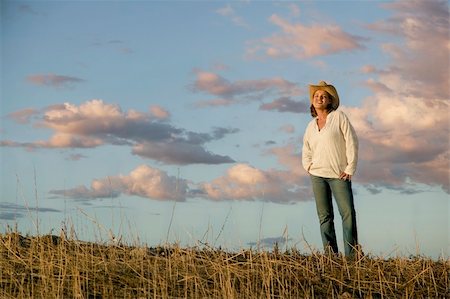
{"x": 329, "y": 155}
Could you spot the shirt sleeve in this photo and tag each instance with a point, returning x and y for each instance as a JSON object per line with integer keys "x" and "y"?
{"x": 306, "y": 151}
{"x": 351, "y": 144}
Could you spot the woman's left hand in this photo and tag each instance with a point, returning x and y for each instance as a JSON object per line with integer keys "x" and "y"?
{"x": 344, "y": 176}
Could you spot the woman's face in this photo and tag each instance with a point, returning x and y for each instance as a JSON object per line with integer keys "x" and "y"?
{"x": 321, "y": 99}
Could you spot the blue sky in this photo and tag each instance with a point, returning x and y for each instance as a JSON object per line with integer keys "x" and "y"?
{"x": 183, "y": 121}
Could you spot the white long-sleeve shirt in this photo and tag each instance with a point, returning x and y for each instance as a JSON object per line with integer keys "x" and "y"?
{"x": 332, "y": 150}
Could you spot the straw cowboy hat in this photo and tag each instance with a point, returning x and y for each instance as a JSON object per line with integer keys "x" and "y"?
{"x": 328, "y": 88}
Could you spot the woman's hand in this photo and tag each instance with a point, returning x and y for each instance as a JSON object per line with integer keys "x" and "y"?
{"x": 344, "y": 176}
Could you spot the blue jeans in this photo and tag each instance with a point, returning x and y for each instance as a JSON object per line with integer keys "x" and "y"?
{"x": 323, "y": 189}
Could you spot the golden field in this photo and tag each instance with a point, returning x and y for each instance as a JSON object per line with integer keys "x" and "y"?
{"x": 61, "y": 267}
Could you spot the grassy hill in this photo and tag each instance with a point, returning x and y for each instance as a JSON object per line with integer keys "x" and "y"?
{"x": 58, "y": 267}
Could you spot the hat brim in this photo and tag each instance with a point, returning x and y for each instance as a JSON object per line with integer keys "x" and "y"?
{"x": 328, "y": 88}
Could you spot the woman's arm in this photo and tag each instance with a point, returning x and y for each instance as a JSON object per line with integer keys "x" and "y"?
{"x": 351, "y": 144}
{"x": 306, "y": 151}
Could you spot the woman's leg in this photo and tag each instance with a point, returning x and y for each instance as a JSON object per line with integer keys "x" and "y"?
{"x": 324, "y": 206}
{"x": 342, "y": 192}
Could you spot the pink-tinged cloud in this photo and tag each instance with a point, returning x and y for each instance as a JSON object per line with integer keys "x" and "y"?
{"x": 53, "y": 80}
{"x": 402, "y": 139}
{"x": 144, "y": 181}
{"x": 245, "y": 182}
{"x": 299, "y": 41}
{"x": 56, "y": 141}
{"x": 377, "y": 87}
{"x": 404, "y": 127}
{"x": 96, "y": 123}
{"x": 240, "y": 182}
{"x": 422, "y": 59}
{"x": 240, "y": 91}
{"x": 289, "y": 156}
{"x": 159, "y": 112}
{"x": 63, "y": 140}
{"x": 23, "y": 116}
{"x": 368, "y": 69}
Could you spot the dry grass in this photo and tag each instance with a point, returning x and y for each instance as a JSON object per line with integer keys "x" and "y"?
{"x": 60, "y": 267}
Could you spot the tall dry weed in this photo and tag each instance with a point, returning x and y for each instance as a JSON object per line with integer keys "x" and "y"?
{"x": 61, "y": 267}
